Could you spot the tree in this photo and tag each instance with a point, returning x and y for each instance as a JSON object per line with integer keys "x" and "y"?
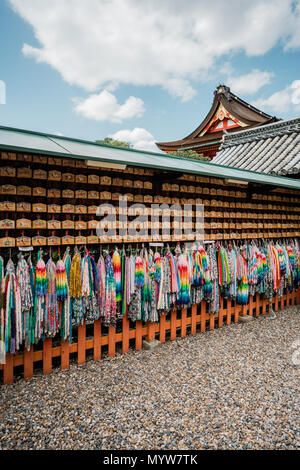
{"x": 114, "y": 143}
{"x": 190, "y": 154}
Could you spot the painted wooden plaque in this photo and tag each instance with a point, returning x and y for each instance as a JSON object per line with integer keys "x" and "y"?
{"x": 23, "y": 223}
{"x": 7, "y": 206}
{"x": 39, "y": 207}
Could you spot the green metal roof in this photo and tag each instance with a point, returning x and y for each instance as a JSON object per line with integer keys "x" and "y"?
{"x": 48, "y": 144}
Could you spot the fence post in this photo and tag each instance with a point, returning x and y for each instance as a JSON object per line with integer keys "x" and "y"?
{"x": 203, "y": 316}
{"x": 138, "y": 335}
{"x": 65, "y": 354}
{"x": 125, "y": 334}
{"x": 151, "y": 331}
{"x": 257, "y": 305}
{"x": 111, "y": 341}
{"x": 162, "y": 328}
{"x": 287, "y": 299}
{"x": 236, "y": 312}
{"x": 28, "y": 362}
{"x": 228, "y": 317}
{"x": 276, "y": 303}
{"x": 298, "y": 296}
{"x": 221, "y": 312}
{"x": 193, "y": 319}
{"x": 8, "y": 370}
{"x": 97, "y": 340}
{"x": 173, "y": 325}
{"x": 47, "y": 356}
{"x": 183, "y": 322}
{"x": 250, "y": 313}
{"x": 81, "y": 344}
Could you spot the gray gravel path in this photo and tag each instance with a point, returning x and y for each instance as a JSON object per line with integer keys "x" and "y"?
{"x": 232, "y": 388}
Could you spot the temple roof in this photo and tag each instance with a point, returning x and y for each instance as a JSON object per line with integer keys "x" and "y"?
{"x": 273, "y": 149}
{"x": 225, "y": 104}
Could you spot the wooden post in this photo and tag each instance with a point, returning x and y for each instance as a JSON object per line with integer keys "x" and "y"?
{"x": 203, "y": 316}
{"x": 228, "y": 318}
{"x": 264, "y": 309}
{"x": 65, "y": 354}
{"x": 244, "y": 310}
{"x": 282, "y": 302}
{"x": 276, "y": 303}
{"x": 173, "y": 325}
{"x": 211, "y": 321}
{"x": 221, "y": 312}
{"x": 194, "y": 320}
{"x": 81, "y": 344}
{"x": 8, "y": 369}
{"x": 298, "y": 296}
{"x": 28, "y": 363}
{"x": 236, "y": 312}
{"x": 97, "y": 340}
{"x": 288, "y": 295}
{"x": 111, "y": 341}
{"x": 183, "y": 322}
{"x": 162, "y": 328}
{"x": 138, "y": 335}
{"x": 250, "y": 306}
{"x": 47, "y": 356}
{"x": 257, "y": 305}
{"x": 125, "y": 336}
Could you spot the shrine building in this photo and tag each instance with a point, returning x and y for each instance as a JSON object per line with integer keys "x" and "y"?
{"x": 228, "y": 113}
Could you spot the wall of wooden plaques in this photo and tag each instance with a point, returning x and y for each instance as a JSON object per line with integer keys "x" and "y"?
{"x": 53, "y": 201}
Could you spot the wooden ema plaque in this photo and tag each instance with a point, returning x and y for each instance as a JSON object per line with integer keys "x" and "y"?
{"x": 23, "y": 241}
{"x": 54, "y": 175}
{"x": 39, "y": 174}
{"x": 7, "y": 224}
{"x": 68, "y": 194}
{"x": 67, "y": 224}
{"x": 39, "y": 241}
{"x": 23, "y": 191}
{"x": 53, "y": 241}
{"x": 8, "y": 171}
{"x": 53, "y": 224}
{"x": 39, "y": 207}
{"x": 67, "y": 240}
{"x": 92, "y": 239}
{"x": 23, "y": 223}
{"x": 39, "y": 192}
{"x": 7, "y": 242}
{"x": 8, "y": 189}
{"x": 39, "y": 224}
{"x": 80, "y": 240}
{"x": 7, "y": 206}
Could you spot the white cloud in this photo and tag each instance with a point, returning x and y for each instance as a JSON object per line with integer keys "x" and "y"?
{"x": 249, "y": 83}
{"x": 100, "y": 44}
{"x": 283, "y": 101}
{"x": 140, "y": 138}
{"x": 104, "y": 107}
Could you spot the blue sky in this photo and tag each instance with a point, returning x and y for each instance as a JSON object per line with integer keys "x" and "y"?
{"x": 142, "y": 71}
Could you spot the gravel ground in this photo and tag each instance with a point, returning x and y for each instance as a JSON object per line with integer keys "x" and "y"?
{"x": 230, "y": 388}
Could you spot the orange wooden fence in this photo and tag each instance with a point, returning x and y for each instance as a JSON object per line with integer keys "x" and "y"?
{"x": 177, "y": 323}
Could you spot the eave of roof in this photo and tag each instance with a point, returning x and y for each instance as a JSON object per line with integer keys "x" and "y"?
{"x": 20, "y": 140}
{"x": 239, "y": 108}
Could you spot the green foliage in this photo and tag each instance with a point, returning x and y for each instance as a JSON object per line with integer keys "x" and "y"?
{"x": 114, "y": 143}
{"x": 190, "y": 154}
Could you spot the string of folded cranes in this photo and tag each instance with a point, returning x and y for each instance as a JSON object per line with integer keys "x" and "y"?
{"x": 42, "y": 301}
